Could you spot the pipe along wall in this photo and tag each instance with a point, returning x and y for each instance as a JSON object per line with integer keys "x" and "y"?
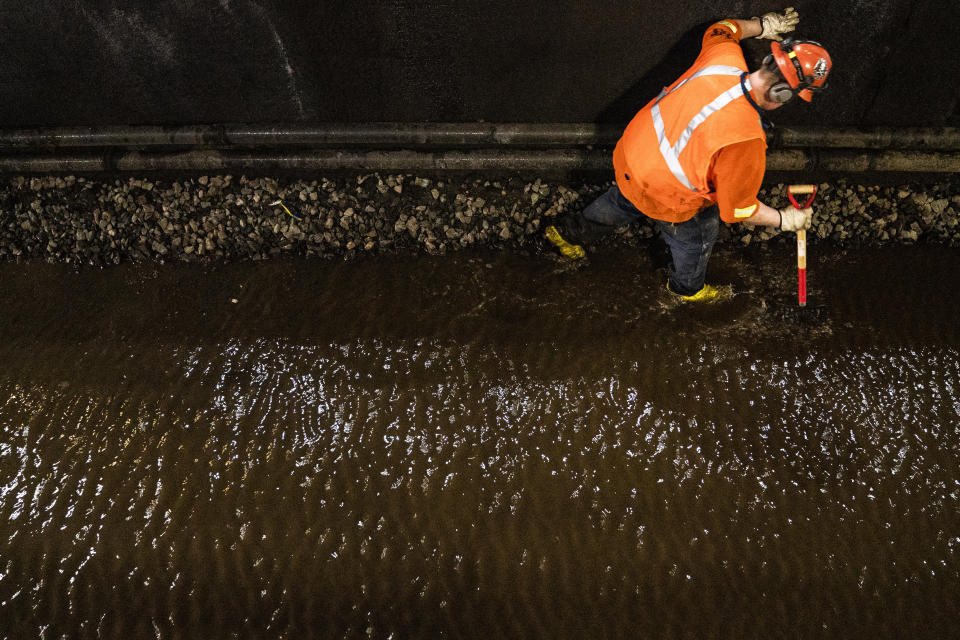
{"x": 405, "y": 147}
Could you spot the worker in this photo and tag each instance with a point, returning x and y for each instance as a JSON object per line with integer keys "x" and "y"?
{"x": 696, "y": 153}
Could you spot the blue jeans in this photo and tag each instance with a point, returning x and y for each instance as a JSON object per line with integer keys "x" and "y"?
{"x": 691, "y": 242}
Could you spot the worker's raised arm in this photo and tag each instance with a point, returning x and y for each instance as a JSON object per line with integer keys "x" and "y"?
{"x": 770, "y": 26}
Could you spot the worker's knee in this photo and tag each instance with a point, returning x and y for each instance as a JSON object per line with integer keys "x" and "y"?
{"x": 612, "y": 209}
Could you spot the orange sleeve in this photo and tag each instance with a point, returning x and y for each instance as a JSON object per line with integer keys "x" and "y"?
{"x": 722, "y": 32}
{"x": 736, "y": 175}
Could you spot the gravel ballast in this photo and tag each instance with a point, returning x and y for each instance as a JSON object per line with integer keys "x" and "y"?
{"x": 108, "y": 221}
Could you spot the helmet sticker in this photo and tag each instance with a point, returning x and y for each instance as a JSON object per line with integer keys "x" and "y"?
{"x": 820, "y": 69}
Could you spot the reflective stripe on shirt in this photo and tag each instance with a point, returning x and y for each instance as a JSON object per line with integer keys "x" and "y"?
{"x": 671, "y": 153}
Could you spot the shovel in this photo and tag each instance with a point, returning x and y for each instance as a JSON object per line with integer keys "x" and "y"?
{"x": 792, "y": 190}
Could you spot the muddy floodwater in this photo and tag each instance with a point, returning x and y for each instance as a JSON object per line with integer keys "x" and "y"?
{"x": 489, "y": 444}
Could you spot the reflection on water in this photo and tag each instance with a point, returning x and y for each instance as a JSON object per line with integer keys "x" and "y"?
{"x": 477, "y": 446}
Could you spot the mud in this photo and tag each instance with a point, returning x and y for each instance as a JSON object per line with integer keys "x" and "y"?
{"x": 483, "y": 443}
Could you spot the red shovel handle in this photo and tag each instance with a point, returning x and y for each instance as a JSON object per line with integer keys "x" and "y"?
{"x": 799, "y": 189}
{"x": 802, "y": 238}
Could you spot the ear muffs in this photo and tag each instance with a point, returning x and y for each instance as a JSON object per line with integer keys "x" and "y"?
{"x": 780, "y": 91}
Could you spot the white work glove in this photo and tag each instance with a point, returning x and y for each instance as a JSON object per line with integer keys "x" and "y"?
{"x": 793, "y": 219}
{"x": 775, "y": 23}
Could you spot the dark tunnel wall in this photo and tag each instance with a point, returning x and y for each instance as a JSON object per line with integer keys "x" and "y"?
{"x": 175, "y": 62}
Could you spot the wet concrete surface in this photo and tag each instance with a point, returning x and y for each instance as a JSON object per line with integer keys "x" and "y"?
{"x": 265, "y": 61}
{"x": 484, "y": 444}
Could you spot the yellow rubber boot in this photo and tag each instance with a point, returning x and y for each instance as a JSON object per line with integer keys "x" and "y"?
{"x": 708, "y": 293}
{"x": 572, "y": 251}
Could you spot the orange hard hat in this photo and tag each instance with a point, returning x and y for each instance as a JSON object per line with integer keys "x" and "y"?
{"x": 804, "y": 64}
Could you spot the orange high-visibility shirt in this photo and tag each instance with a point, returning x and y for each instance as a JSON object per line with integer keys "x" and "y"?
{"x": 699, "y": 143}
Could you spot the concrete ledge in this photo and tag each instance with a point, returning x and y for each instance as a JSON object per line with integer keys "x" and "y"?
{"x": 475, "y": 160}
{"x": 393, "y": 135}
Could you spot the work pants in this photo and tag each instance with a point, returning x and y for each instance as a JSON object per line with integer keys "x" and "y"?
{"x": 690, "y": 242}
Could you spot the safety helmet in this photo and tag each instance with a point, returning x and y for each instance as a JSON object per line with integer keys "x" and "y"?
{"x": 803, "y": 64}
